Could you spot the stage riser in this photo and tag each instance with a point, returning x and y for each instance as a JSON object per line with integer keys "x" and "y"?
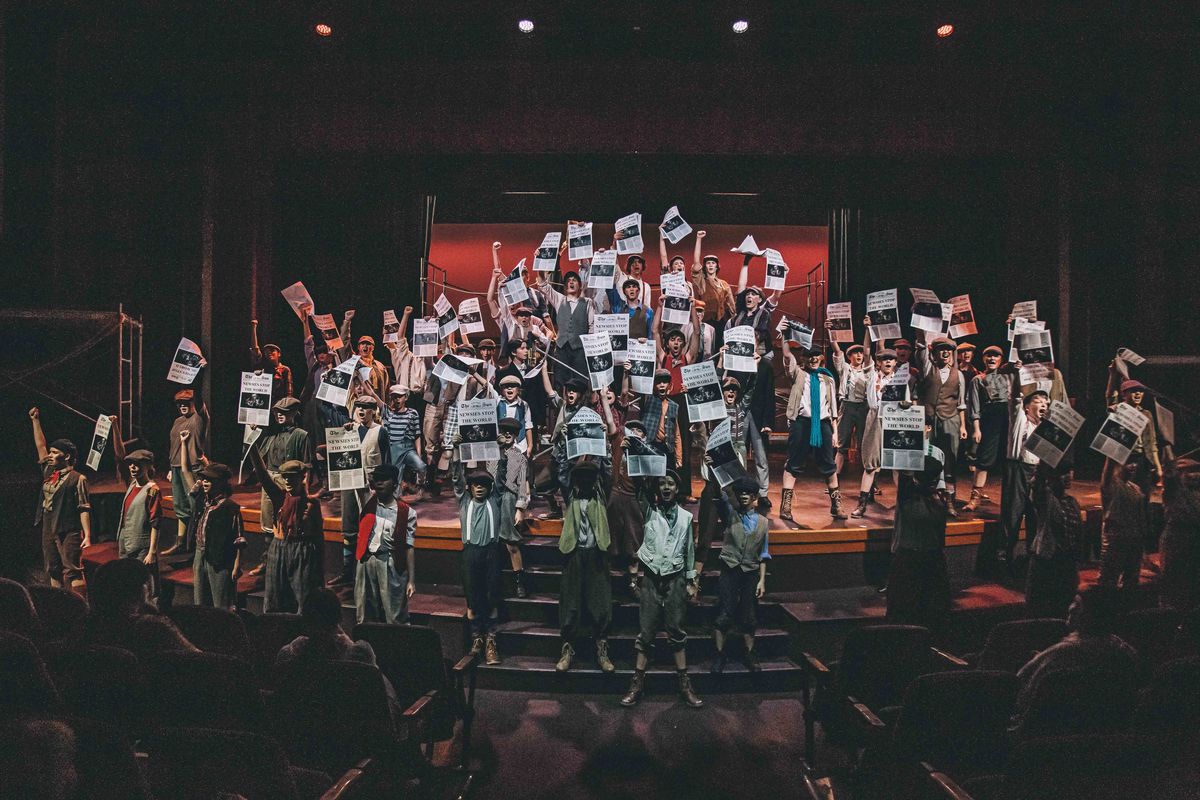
{"x": 661, "y": 684}
{"x": 544, "y": 611}
{"x": 700, "y": 646}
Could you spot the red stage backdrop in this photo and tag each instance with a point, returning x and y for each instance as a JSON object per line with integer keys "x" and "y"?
{"x": 465, "y": 252}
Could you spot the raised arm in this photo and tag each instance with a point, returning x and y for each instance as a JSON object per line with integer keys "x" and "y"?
{"x": 492, "y": 300}
{"x": 118, "y": 449}
{"x": 657, "y": 331}
{"x": 255, "y": 351}
{"x": 662, "y": 250}
{"x": 696, "y": 255}
{"x": 693, "y": 346}
{"x": 345, "y": 331}
{"x": 185, "y": 462}
{"x": 610, "y": 425}
{"x": 268, "y": 483}
{"x": 39, "y": 437}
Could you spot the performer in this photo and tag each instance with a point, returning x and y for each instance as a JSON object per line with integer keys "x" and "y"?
{"x": 918, "y": 585}
{"x": 518, "y": 322}
{"x": 744, "y": 554}
{"x": 574, "y": 316}
{"x": 283, "y": 441}
{"x": 512, "y": 406}
{"x": 195, "y": 421}
{"x": 318, "y": 414}
{"x": 624, "y": 508}
{"x": 365, "y": 347}
{"x": 853, "y": 370}
{"x": 641, "y": 317}
{"x": 1019, "y": 464}
{"x": 1147, "y": 466}
{"x": 871, "y": 451}
{"x": 635, "y": 268}
{"x": 1124, "y": 528}
{"x": 294, "y": 553}
{"x": 711, "y": 289}
{"x": 64, "y": 512}
{"x": 965, "y": 354}
{"x": 673, "y": 352}
{"x": 386, "y": 574}
{"x": 988, "y": 400}
{"x": 269, "y": 358}
{"x": 586, "y": 586}
{"x": 943, "y": 390}
{"x": 740, "y": 408}
{"x": 216, "y": 529}
{"x": 479, "y": 521}
{"x": 667, "y": 557}
{"x": 1053, "y": 576}
{"x": 402, "y": 430}
{"x": 510, "y": 475}
{"x": 374, "y": 448}
{"x": 141, "y": 509}
{"x": 813, "y": 397}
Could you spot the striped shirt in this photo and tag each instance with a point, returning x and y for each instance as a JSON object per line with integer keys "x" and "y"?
{"x": 403, "y": 428}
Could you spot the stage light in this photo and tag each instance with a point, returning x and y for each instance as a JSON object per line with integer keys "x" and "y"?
{"x": 741, "y": 26}
{"x": 945, "y": 30}
{"x": 525, "y": 26}
{"x": 322, "y": 29}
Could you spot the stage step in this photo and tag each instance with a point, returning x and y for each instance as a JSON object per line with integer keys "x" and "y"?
{"x": 546, "y": 580}
{"x": 543, "y": 609}
{"x": 529, "y": 639}
{"x": 543, "y": 551}
{"x": 537, "y": 674}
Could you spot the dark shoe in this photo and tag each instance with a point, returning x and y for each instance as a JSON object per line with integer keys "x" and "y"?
{"x": 686, "y": 692}
{"x": 951, "y": 510}
{"x": 564, "y": 661}
{"x": 751, "y": 662}
{"x": 635, "y": 587}
{"x": 492, "y": 653}
{"x": 635, "y": 689}
{"x": 521, "y": 591}
{"x": 764, "y": 505}
{"x": 864, "y": 498}
{"x": 477, "y": 646}
{"x": 785, "y": 506}
{"x": 602, "y": 659}
{"x": 835, "y": 504}
{"x": 718, "y": 666}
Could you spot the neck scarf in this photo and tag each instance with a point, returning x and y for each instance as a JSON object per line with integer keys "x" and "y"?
{"x": 814, "y": 405}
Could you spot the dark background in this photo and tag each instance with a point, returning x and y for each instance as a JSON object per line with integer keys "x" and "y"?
{"x": 1042, "y": 147}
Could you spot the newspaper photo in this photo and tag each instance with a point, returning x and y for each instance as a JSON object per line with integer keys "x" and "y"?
{"x": 425, "y": 338}
{"x": 586, "y": 435}
{"x": 642, "y": 460}
{"x": 629, "y": 234}
{"x": 1034, "y": 348}
{"x": 673, "y": 227}
{"x": 795, "y": 331}
{"x": 597, "y": 350}
{"x": 884, "y": 311}
{"x": 926, "y": 311}
{"x": 514, "y": 291}
{"x": 677, "y": 310}
{"x": 704, "y": 400}
{"x": 254, "y": 400}
{"x": 895, "y": 386}
{"x": 903, "y": 437}
{"x": 777, "y": 270}
{"x": 602, "y": 270}
{"x": 477, "y": 430}
{"x": 546, "y": 257}
{"x": 186, "y": 364}
{"x": 344, "y": 456}
{"x": 447, "y": 316}
{"x": 616, "y": 326}
{"x": 726, "y": 465}
{"x": 454, "y": 368}
{"x": 748, "y": 247}
{"x": 641, "y": 367}
{"x": 298, "y": 297}
{"x": 841, "y": 322}
{"x": 1120, "y": 432}
{"x": 1052, "y": 437}
{"x": 673, "y": 284}
{"x": 99, "y": 441}
{"x": 391, "y": 327}
{"x": 1026, "y": 309}
{"x": 962, "y": 317}
{"x": 740, "y": 345}
{"x": 470, "y": 319}
{"x": 335, "y": 383}
{"x": 329, "y": 331}
{"x": 579, "y": 241}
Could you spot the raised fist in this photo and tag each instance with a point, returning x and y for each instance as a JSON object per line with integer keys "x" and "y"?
{"x": 408, "y": 309}
{"x": 701, "y": 234}
{"x": 496, "y": 245}
{"x": 34, "y": 413}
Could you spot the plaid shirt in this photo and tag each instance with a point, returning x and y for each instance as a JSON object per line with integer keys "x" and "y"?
{"x": 652, "y": 415}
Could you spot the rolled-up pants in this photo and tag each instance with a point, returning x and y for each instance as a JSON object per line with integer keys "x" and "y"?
{"x": 380, "y": 590}
{"x": 663, "y": 605}
{"x": 63, "y": 557}
{"x": 293, "y": 570}
{"x": 212, "y": 586}
{"x": 586, "y": 588}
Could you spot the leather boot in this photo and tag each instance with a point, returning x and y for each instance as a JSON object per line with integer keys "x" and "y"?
{"x": 605, "y": 663}
{"x": 835, "y": 504}
{"x": 635, "y": 688}
{"x": 951, "y": 509}
{"x": 477, "y": 646}
{"x": 973, "y": 503}
{"x": 785, "y": 505}
{"x": 521, "y": 590}
{"x": 564, "y": 661}
{"x": 864, "y": 499}
{"x": 751, "y": 662}
{"x": 686, "y": 692}
{"x": 492, "y": 653}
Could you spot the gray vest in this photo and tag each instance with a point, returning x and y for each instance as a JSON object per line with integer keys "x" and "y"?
{"x": 742, "y": 549}
{"x": 133, "y": 534}
{"x": 572, "y": 323}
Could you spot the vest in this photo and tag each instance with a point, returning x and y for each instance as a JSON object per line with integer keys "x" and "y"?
{"x": 366, "y": 527}
{"x": 598, "y": 520}
{"x": 372, "y": 456}
{"x": 64, "y": 506}
{"x": 133, "y": 533}
{"x": 572, "y": 323}
{"x": 638, "y": 329}
{"x": 941, "y": 398}
{"x": 221, "y": 535}
{"x": 741, "y": 549}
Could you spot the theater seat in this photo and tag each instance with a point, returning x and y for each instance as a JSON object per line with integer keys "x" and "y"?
{"x": 1010, "y": 645}
{"x": 213, "y": 630}
{"x": 268, "y": 633}
{"x": 1152, "y": 632}
{"x": 60, "y": 611}
{"x": 205, "y": 690}
{"x": 1170, "y": 705}
{"x": 101, "y": 683}
{"x": 26, "y": 688}
{"x": 1079, "y": 701}
{"x": 17, "y": 612}
{"x": 106, "y": 762}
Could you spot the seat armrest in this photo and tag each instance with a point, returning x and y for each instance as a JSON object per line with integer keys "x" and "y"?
{"x": 866, "y": 715}
{"x": 467, "y": 662}
{"x": 349, "y": 782}
{"x": 815, "y": 667}
{"x": 944, "y": 784}
{"x": 421, "y": 706}
{"x": 949, "y": 660}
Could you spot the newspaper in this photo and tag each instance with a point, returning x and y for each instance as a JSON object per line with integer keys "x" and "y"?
{"x": 579, "y": 241}
{"x": 1034, "y": 348}
{"x": 673, "y": 284}
{"x": 726, "y": 465}
{"x": 186, "y": 364}
{"x": 947, "y": 313}
{"x": 616, "y": 326}
{"x": 748, "y": 247}
{"x": 673, "y": 227}
{"x": 297, "y": 297}
{"x": 470, "y": 319}
{"x": 425, "y": 338}
{"x": 642, "y": 460}
{"x": 603, "y": 270}
{"x": 585, "y": 435}
{"x": 335, "y": 383}
{"x": 597, "y": 349}
{"x": 1033, "y": 374}
{"x": 962, "y": 317}
{"x": 1130, "y": 357}
{"x": 896, "y": 386}
{"x": 798, "y": 332}
{"x": 629, "y": 234}
{"x": 1018, "y": 326}
{"x": 1052, "y": 437}
{"x": 926, "y": 311}
{"x": 740, "y": 345}
{"x": 1120, "y": 431}
{"x": 777, "y": 270}
{"x": 391, "y": 326}
{"x": 903, "y": 437}
{"x": 477, "y": 429}
{"x": 1026, "y": 309}
{"x": 514, "y": 291}
{"x": 250, "y": 435}
{"x": 841, "y": 322}
{"x": 328, "y": 329}
{"x": 99, "y": 441}
{"x": 704, "y": 400}
{"x": 454, "y": 368}
{"x": 883, "y": 309}
{"x": 343, "y": 454}
{"x": 447, "y": 316}
{"x": 641, "y": 367}
{"x": 546, "y": 257}
{"x": 677, "y": 310}
{"x": 254, "y": 401}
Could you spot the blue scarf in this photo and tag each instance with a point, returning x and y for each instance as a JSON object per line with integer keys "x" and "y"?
{"x": 814, "y": 405}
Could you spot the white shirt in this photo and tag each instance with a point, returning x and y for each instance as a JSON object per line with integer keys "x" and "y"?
{"x": 1021, "y": 429}
{"x": 385, "y": 526}
{"x": 828, "y": 405}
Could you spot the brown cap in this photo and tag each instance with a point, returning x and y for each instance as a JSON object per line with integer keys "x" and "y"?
{"x": 962, "y": 346}
{"x": 185, "y": 395}
{"x": 941, "y": 343}
{"x": 365, "y": 338}
{"x": 215, "y": 472}
{"x": 286, "y": 405}
{"x": 140, "y": 456}
{"x": 509, "y": 425}
{"x": 993, "y": 350}
{"x": 510, "y": 380}
{"x": 293, "y": 467}
{"x": 487, "y": 343}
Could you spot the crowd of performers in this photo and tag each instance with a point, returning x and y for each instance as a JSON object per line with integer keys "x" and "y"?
{"x": 651, "y": 528}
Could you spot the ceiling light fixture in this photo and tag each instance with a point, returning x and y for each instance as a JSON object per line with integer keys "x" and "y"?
{"x": 741, "y": 26}
{"x": 322, "y": 29}
{"x": 525, "y": 26}
{"x": 945, "y": 30}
